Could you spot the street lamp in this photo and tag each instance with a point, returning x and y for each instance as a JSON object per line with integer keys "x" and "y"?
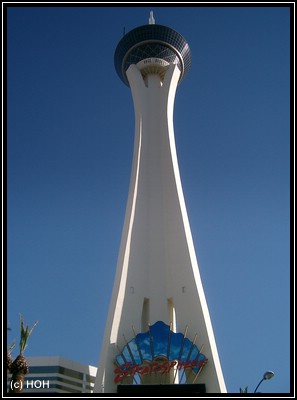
{"x": 268, "y": 375}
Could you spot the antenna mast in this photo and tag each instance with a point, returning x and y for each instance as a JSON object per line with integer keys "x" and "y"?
{"x": 151, "y": 19}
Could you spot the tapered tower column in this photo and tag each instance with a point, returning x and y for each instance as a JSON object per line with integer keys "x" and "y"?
{"x": 157, "y": 286}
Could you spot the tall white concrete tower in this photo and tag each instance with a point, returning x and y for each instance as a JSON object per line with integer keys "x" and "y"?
{"x": 158, "y": 334}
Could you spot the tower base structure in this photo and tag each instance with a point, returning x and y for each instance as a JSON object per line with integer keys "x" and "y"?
{"x": 158, "y": 329}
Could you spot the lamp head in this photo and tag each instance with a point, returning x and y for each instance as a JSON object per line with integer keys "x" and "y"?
{"x": 268, "y": 375}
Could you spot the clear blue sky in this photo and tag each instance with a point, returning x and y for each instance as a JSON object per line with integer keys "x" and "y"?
{"x": 70, "y": 143}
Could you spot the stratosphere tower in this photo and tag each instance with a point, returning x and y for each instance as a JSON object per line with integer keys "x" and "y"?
{"x": 158, "y": 332}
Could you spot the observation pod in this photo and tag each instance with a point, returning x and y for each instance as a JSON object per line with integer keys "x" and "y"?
{"x": 158, "y": 332}
{"x": 153, "y": 48}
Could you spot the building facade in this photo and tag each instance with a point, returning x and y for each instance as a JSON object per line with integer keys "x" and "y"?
{"x": 57, "y": 375}
{"x": 158, "y": 330}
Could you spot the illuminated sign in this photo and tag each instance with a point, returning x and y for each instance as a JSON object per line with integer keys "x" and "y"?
{"x": 154, "y": 367}
{"x": 158, "y": 351}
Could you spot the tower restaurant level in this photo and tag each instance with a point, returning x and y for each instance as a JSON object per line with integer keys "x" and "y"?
{"x": 152, "y": 41}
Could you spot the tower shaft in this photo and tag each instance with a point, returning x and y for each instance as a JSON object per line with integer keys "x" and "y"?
{"x": 157, "y": 276}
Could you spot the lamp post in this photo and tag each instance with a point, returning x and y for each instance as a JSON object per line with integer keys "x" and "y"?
{"x": 268, "y": 375}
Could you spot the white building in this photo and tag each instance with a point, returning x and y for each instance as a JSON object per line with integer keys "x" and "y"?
{"x": 158, "y": 321}
{"x": 57, "y": 375}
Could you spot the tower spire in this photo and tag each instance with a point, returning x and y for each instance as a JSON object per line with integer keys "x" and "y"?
{"x": 151, "y": 19}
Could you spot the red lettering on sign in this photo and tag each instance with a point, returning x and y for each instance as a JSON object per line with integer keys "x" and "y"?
{"x": 129, "y": 369}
